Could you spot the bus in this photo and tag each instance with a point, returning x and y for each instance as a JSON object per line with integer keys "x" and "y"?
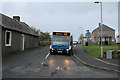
{"x": 61, "y": 42}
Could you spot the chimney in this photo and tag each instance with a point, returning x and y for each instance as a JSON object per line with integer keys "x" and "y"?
{"x": 87, "y": 31}
{"x": 17, "y": 18}
{"x": 99, "y": 24}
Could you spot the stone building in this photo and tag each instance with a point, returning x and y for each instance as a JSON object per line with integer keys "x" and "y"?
{"x": 16, "y": 35}
{"x": 108, "y": 35}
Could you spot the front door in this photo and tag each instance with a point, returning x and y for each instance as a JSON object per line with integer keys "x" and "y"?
{"x": 23, "y": 41}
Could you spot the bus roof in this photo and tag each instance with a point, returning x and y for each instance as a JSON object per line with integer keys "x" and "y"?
{"x": 63, "y": 31}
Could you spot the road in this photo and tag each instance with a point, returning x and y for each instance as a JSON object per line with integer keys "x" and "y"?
{"x": 38, "y": 63}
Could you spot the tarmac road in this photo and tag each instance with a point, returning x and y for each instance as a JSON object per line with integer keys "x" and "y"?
{"x": 38, "y": 63}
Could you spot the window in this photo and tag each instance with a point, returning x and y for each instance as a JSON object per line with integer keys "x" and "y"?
{"x": 8, "y": 38}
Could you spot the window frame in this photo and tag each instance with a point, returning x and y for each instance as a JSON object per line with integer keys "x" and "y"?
{"x": 9, "y": 39}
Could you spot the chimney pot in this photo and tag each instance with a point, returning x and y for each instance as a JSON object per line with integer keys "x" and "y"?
{"x": 99, "y": 24}
{"x": 17, "y": 18}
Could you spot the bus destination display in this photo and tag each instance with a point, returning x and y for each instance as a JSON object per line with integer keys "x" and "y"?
{"x": 61, "y": 33}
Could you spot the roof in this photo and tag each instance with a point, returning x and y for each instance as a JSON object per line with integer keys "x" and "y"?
{"x": 12, "y": 24}
{"x": 104, "y": 28}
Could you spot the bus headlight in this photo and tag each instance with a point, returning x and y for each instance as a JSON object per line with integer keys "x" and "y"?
{"x": 67, "y": 49}
{"x": 52, "y": 49}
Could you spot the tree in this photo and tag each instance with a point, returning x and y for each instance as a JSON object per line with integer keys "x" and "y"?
{"x": 42, "y": 35}
{"x": 37, "y": 31}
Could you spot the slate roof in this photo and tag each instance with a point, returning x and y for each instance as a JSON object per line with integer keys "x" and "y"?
{"x": 104, "y": 28}
{"x": 12, "y": 24}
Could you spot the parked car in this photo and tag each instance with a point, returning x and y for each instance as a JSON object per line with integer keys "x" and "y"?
{"x": 118, "y": 40}
{"x": 75, "y": 42}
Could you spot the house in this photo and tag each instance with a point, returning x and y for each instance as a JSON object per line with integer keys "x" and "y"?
{"x": 16, "y": 35}
{"x": 108, "y": 35}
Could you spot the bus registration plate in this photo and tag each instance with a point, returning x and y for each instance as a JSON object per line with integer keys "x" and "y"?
{"x": 59, "y": 51}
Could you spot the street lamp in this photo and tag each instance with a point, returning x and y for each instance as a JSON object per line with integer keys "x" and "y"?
{"x": 81, "y": 29}
{"x": 88, "y": 34}
{"x": 101, "y": 29}
{"x": 82, "y": 32}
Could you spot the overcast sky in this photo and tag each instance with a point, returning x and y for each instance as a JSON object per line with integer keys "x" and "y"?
{"x": 63, "y": 16}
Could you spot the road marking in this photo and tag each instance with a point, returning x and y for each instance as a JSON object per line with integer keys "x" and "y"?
{"x": 45, "y": 58}
{"x": 42, "y": 63}
{"x": 58, "y": 68}
{"x": 106, "y": 62}
{"x": 47, "y": 55}
{"x": 85, "y": 68}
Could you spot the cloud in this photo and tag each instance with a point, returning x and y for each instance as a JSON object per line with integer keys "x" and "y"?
{"x": 68, "y": 16}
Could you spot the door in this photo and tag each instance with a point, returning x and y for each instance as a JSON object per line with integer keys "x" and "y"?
{"x": 23, "y": 41}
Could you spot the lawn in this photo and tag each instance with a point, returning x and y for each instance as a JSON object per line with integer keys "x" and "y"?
{"x": 95, "y": 50}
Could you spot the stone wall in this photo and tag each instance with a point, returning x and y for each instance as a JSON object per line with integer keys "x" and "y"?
{"x": 16, "y": 42}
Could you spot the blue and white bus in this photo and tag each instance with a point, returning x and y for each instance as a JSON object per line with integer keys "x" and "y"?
{"x": 61, "y": 42}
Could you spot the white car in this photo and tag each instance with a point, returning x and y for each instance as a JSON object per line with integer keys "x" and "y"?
{"x": 118, "y": 39}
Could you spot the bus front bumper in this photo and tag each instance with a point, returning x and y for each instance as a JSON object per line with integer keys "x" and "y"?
{"x": 60, "y": 51}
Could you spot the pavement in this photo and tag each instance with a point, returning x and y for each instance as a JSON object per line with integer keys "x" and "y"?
{"x": 102, "y": 64}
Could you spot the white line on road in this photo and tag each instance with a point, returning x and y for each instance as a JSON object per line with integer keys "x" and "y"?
{"x": 85, "y": 68}
{"x": 106, "y": 62}
{"x": 47, "y": 55}
{"x": 58, "y": 68}
{"x": 45, "y": 58}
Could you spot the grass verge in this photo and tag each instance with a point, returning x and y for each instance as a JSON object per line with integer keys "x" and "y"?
{"x": 95, "y": 50}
